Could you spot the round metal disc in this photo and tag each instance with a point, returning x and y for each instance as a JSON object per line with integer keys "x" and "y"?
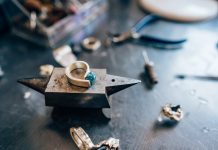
{"x": 182, "y": 10}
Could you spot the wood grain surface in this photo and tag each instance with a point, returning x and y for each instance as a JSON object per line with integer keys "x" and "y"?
{"x": 27, "y": 124}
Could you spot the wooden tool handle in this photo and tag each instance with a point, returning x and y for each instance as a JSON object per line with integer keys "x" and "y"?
{"x": 151, "y": 73}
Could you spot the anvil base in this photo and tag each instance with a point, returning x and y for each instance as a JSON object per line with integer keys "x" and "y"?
{"x": 60, "y": 92}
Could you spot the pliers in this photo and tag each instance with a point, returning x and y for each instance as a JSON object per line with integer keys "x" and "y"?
{"x": 134, "y": 33}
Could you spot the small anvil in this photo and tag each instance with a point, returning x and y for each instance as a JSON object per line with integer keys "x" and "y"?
{"x": 59, "y": 92}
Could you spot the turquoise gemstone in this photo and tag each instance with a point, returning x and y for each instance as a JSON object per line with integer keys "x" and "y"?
{"x": 91, "y": 77}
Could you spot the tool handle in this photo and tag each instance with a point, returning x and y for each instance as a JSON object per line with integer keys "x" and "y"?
{"x": 143, "y": 22}
{"x": 147, "y": 38}
{"x": 151, "y": 73}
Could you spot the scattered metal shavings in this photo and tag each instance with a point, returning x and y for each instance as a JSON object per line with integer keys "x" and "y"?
{"x": 27, "y": 95}
{"x": 46, "y": 70}
{"x": 1, "y": 72}
{"x": 172, "y": 112}
{"x": 84, "y": 142}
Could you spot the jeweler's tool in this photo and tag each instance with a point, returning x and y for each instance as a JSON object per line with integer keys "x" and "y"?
{"x": 209, "y": 78}
{"x": 59, "y": 92}
{"x": 149, "y": 68}
{"x": 133, "y": 33}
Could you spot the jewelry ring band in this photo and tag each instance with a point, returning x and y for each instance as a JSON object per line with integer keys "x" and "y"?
{"x": 91, "y": 43}
{"x": 81, "y": 138}
{"x": 87, "y": 80}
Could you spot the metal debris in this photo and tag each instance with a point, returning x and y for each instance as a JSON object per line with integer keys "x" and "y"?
{"x": 109, "y": 144}
{"x": 83, "y": 141}
{"x": 172, "y": 112}
{"x": 46, "y": 70}
{"x": 64, "y": 56}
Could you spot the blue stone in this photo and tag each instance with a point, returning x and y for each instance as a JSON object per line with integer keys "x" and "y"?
{"x": 91, "y": 77}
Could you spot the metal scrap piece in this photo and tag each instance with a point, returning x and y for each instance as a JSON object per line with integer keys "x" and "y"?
{"x": 172, "y": 112}
{"x": 46, "y": 70}
{"x": 64, "y": 56}
{"x": 83, "y": 141}
{"x": 109, "y": 144}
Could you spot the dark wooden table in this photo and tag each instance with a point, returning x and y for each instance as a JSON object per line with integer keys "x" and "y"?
{"x": 29, "y": 124}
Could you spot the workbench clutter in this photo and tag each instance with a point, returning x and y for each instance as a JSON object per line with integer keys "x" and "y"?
{"x": 54, "y": 23}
